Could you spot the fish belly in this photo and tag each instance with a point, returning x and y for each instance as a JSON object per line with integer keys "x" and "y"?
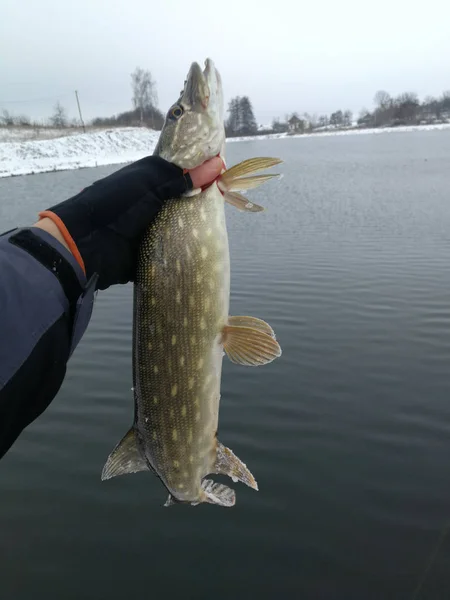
{"x": 181, "y": 300}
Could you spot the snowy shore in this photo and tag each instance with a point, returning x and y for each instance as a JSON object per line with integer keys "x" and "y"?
{"x": 117, "y": 146}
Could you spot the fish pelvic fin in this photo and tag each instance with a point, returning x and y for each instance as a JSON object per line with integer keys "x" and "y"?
{"x": 217, "y": 493}
{"x": 252, "y": 322}
{"x": 232, "y": 180}
{"x": 250, "y": 343}
{"x": 125, "y": 458}
{"x": 227, "y": 463}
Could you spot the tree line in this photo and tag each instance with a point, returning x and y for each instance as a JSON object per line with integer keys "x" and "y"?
{"x": 405, "y": 109}
{"x": 388, "y": 111}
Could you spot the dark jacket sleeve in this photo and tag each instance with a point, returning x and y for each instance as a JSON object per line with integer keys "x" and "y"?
{"x": 45, "y": 307}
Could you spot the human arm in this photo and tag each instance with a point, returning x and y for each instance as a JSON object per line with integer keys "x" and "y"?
{"x": 45, "y": 296}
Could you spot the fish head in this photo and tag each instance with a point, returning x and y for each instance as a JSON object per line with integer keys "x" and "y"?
{"x": 194, "y": 129}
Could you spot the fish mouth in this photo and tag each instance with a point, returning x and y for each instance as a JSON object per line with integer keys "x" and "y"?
{"x": 196, "y": 89}
{"x": 212, "y": 77}
{"x": 203, "y": 89}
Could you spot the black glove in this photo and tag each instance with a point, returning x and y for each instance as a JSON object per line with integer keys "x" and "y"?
{"x": 107, "y": 219}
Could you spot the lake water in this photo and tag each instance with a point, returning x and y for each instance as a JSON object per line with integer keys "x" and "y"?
{"x": 348, "y": 433}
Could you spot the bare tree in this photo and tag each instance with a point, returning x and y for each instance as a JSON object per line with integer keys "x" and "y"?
{"x": 365, "y": 118}
{"x": 336, "y": 118}
{"x": 310, "y": 120}
{"x": 278, "y": 126}
{"x": 446, "y": 100}
{"x": 59, "y": 117}
{"x": 6, "y": 118}
{"x": 23, "y": 121}
{"x": 431, "y": 108}
{"x": 144, "y": 91}
{"x": 406, "y": 107}
{"x": 382, "y": 100}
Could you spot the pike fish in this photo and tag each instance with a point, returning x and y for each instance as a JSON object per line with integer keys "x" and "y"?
{"x": 181, "y": 322}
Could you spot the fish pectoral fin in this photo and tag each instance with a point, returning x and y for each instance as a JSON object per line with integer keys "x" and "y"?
{"x": 227, "y": 463}
{"x": 125, "y": 458}
{"x": 241, "y": 202}
{"x": 243, "y": 183}
{"x": 217, "y": 493}
{"x": 232, "y": 180}
{"x": 249, "y": 346}
{"x": 251, "y": 165}
{"x": 252, "y": 322}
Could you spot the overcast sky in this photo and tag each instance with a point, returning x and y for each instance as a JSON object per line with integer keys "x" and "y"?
{"x": 316, "y": 56}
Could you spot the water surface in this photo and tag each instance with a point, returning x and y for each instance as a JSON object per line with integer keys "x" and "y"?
{"x": 348, "y": 433}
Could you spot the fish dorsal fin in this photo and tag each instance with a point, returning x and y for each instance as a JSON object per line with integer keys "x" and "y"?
{"x": 227, "y": 463}
{"x": 125, "y": 458}
{"x": 249, "y": 346}
{"x": 217, "y": 493}
{"x": 241, "y": 202}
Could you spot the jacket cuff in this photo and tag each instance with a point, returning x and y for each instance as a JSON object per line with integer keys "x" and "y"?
{"x": 79, "y": 293}
{"x": 61, "y": 249}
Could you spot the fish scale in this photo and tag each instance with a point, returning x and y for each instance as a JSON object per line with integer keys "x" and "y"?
{"x": 181, "y": 324}
{"x": 184, "y": 356}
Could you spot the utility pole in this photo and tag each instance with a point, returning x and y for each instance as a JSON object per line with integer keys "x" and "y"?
{"x": 79, "y": 110}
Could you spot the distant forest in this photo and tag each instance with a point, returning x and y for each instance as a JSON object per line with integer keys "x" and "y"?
{"x": 388, "y": 111}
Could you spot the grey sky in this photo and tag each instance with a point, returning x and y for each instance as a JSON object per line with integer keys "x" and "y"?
{"x": 286, "y": 55}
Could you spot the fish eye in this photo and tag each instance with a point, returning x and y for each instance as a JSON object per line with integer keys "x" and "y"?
{"x": 175, "y": 112}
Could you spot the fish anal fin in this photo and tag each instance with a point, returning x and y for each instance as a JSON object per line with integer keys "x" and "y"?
{"x": 249, "y": 346}
{"x": 125, "y": 458}
{"x": 241, "y": 202}
{"x": 217, "y": 493}
{"x": 253, "y": 322}
{"x": 227, "y": 463}
{"x": 170, "y": 501}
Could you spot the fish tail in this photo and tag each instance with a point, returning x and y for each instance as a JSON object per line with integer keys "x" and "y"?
{"x": 217, "y": 493}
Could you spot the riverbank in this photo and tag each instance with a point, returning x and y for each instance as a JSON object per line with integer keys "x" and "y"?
{"x": 117, "y": 146}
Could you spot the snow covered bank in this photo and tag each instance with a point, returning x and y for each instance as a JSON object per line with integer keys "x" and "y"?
{"x": 108, "y": 147}
{"x": 121, "y": 145}
{"x": 278, "y": 136}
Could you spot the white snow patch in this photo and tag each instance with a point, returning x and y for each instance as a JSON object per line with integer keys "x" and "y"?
{"x": 118, "y": 146}
{"x": 278, "y": 136}
{"x": 24, "y": 134}
{"x": 107, "y": 147}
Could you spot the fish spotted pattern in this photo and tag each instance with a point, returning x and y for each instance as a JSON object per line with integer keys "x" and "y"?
{"x": 181, "y": 319}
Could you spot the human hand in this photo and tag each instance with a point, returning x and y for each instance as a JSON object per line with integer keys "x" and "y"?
{"x": 107, "y": 219}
